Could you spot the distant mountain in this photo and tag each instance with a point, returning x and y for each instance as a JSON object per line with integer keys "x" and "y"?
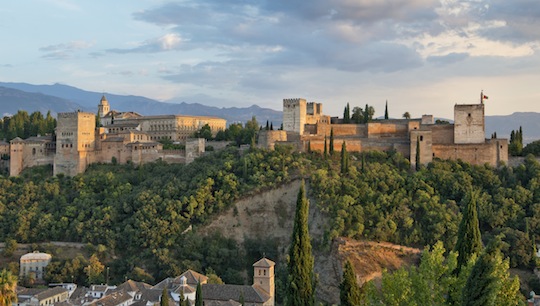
{"x": 503, "y": 125}
{"x": 88, "y": 101}
{"x": 13, "y": 100}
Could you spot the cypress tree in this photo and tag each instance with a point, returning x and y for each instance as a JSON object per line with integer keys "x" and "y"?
{"x": 271, "y": 126}
{"x": 325, "y": 147}
{"x": 344, "y": 159}
{"x": 181, "y": 298}
{"x": 347, "y": 114}
{"x": 267, "y": 126}
{"x": 331, "y": 149}
{"x": 469, "y": 240}
{"x": 164, "y": 298}
{"x": 417, "y": 160}
{"x": 301, "y": 280}
{"x": 350, "y": 293}
{"x": 198, "y": 295}
{"x": 386, "y": 110}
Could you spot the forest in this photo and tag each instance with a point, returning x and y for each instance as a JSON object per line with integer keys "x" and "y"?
{"x": 136, "y": 217}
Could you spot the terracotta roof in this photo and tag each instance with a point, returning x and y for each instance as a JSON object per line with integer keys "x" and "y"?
{"x": 264, "y": 263}
{"x": 185, "y": 289}
{"x": 50, "y": 293}
{"x": 252, "y": 294}
{"x": 122, "y": 124}
{"x": 151, "y": 295}
{"x": 21, "y": 291}
{"x": 114, "y": 139}
{"x": 112, "y": 299}
{"x": 131, "y": 286}
{"x": 192, "y": 278}
{"x": 99, "y": 288}
{"x": 222, "y": 303}
{"x": 17, "y": 139}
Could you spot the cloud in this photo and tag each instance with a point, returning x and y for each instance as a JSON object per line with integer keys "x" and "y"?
{"x": 448, "y": 59}
{"x": 64, "y": 51}
{"x": 278, "y": 45}
{"x": 167, "y": 42}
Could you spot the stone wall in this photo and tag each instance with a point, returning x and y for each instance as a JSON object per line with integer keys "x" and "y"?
{"x": 194, "y": 149}
{"x": 442, "y": 133}
{"x": 477, "y": 154}
{"x": 425, "y": 140}
{"x": 388, "y": 129}
{"x": 267, "y": 139}
{"x": 358, "y": 130}
{"x": 469, "y": 124}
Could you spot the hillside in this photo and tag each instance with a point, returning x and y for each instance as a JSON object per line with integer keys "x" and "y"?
{"x": 269, "y": 216}
{"x": 88, "y": 101}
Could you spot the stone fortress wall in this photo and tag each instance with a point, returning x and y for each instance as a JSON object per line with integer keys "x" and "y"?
{"x": 78, "y": 143}
{"x": 465, "y": 139}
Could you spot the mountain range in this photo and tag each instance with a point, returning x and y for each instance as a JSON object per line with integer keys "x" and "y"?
{"x": 63, "y": 98}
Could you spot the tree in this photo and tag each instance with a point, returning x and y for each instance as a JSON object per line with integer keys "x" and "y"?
{"x": 331, "y": 148}
{"x": 515, "y": 147}
{"x": 8, "y": 288}
{"x": 369, "y": 111}
{"x": 325, "y": 148}
{"x": 344, "y": 159}
{"x": 164, "y": 298}
{"x": 205, "y": 132}
{"x": 406, "y": 115}
{"x": 94, "y": 270}
{"x": 198, "y": 295}
{"x": 417, "y": 158}
{"x": 10, "y": 246}
{"x": 386, "y": 110}
{"x": 357, "y": 115}
{"x": 347, "y": 114}
{"x": 489, "y": 282}
{"x": 349, "y": 291}
{"x": 469, "y": 240}
{"x": 301, "y": 280}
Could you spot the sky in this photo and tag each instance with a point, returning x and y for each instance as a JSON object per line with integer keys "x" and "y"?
{"x": 422, "y": 56}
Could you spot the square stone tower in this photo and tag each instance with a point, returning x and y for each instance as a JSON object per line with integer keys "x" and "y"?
{"x": 263, "y": 277}
{"x": 469, "y": 125}
{"x": 294, "y": 115}
{"x": 75, "y": 140}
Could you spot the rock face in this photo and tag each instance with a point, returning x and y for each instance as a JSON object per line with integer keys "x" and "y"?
{"x": 270, "y": 214}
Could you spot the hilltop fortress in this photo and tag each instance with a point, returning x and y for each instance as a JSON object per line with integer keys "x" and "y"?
{"x": 81, "y": 139}
{"x": 306, "y": 127}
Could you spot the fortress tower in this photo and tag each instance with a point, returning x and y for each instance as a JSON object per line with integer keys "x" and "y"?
{"x": 263, "y": 277}
{"x": 75, "y": 140}
{"x": 294, "y": 115}
{"x": 469, "y": 126}
{"x": 103, "y": 108}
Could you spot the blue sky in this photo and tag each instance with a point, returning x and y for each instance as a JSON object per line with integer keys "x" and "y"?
{"x": 422, "y": 56}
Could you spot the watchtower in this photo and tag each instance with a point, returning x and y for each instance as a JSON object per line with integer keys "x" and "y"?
{"x": 75, "y": 138}
{"x": 294, "y": 115}
{"x": 469, "y": 125}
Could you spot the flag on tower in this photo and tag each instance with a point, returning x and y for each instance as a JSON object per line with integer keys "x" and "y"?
{"x": 483, "y": 97}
